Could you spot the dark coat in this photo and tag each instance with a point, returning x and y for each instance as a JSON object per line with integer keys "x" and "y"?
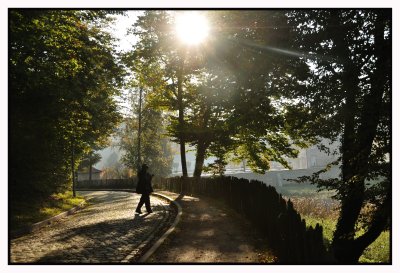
{"x": 144, "y": 183}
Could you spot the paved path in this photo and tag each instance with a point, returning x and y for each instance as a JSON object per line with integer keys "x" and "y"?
{"x": 108, "y": 231}
{"x": 211, "y": 232}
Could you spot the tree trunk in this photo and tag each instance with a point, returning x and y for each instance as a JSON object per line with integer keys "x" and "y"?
{"x": 73, "y": 167}
{"x": 348, "y": 251}
{"x": 343, "y": 247}
{"x": 181, "y": 120}
{"x": 203, "y": 141}
{"x": 346, "y": 248}
{"x": 352, "y": 199}
{"x": 90, "y": 171}
{"x": 200, "y": 156}
{"x": 352, "y": 196}
{"x": 139, "y": 161}
{"x": 378, "y": 225}
{"x": 369, "y": 123}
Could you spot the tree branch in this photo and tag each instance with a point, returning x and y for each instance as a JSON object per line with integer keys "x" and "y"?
{"x": 378, "y": 224}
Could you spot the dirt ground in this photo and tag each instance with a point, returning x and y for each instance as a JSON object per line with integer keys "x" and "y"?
{"x": 210, "y": 232}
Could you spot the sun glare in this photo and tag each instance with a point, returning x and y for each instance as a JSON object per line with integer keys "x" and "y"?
{"x": 191, "y": 27}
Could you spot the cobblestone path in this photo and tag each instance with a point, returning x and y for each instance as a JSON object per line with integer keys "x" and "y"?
{"x": 107, "y": 231}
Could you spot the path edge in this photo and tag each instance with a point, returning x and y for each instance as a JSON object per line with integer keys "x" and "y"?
{"x": 158, "y": 243}
{"x": 34, "y": 227}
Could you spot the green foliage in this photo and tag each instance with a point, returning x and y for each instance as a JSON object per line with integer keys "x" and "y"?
{"x": 63, "y": 76}
{"x": 377, "y": 252}
{"x": 117, "y": 171}
{"x": 89, "y": 159}
{"x": 155, "y": 147}
{"x": 232, "y": 85}
{"x": 258, "y": 129}
{"x": 348, "y": 96}
{"x": 319, "y": 208}
{"x": 29, "y": 212}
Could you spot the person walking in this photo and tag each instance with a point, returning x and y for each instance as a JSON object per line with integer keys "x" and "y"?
{"x": 144, "y": 187}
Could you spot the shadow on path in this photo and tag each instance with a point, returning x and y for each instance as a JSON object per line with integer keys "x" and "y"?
{"x": 210, "y": 232}
{"x": 103, "y": 242}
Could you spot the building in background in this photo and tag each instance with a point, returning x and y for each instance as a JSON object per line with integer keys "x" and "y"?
{"x": 309, "y": 158}
{"x": 84, "y": 174}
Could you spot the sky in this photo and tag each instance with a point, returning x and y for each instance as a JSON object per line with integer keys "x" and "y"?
{"x": 121, "y": 26}
{"x": 126, "y": 41}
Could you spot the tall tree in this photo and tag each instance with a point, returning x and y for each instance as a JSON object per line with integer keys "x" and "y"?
{"x": 156, "y": 64}
{"x": 231, "y": 84}
{"x": 63, "y": 77}
{"x": 155, "y": 149}
{"x": 88, "y": 160}
{"x": 248, "y": 74}
{"x": 210, "y": 107}
{"x": 348, "y": 96}
{"x": 167, "y": 67}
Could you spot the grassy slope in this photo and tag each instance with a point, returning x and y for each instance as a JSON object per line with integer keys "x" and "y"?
{"x": 25, "y": 214}
{"x": 319, "y": 208}
{"x": 377, "y": 252}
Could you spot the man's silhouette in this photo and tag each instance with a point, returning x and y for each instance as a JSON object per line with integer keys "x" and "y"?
{"x": 144, "y": 187}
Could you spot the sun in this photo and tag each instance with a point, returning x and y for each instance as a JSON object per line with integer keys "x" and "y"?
{"x": 191, "y": 27}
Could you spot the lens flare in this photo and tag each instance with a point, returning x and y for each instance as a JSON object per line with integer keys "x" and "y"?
{"x": 191, "y": 27}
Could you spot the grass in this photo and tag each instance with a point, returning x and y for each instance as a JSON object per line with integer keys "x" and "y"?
{"x": 304, "y": 190}
{"x": 318, "y": 207}
{"x": 377, "y": 252}
{"x": 28, "y": 213}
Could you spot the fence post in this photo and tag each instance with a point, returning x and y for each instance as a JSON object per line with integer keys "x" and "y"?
{"x": 266, "y": 209}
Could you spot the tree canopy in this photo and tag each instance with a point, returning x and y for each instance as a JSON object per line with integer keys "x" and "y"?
{"x": 155, "y": 148}
{"x": 270, "y": 81}
{"x": 63, "y": 76}
{"x": 225, "y": 93}
{"x": 262, "y": 85}
{"x": 348, "y": 97}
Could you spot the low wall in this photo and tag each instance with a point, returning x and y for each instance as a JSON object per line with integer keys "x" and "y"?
{"x": 107, "y": 184}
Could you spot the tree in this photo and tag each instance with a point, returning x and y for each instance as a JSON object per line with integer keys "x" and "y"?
{"x": 155, "y": 148}
{"x": 247, "y": 78}
{"x": 63, "y": 77}
{"x": 117, "y": 171}
{"x": 155, "y": 62}
{"x": 89, "y": 159}
{"x": 348, "y": 96}
{"x": 222, "y": 79}
{"x": 167, "y": 68}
